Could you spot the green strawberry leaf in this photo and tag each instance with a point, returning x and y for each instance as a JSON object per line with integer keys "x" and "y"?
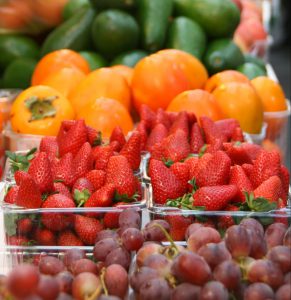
{"x": 202, "y": 150}
{"x": 168, "y": 162}
{"x": 193, "y": 183}
{"x": 20, "y": 161}
{"x": 81, "y": 197}
{"x": 124, "y": 197}
{"x": 189, "y": 156}
{"x": 98, "y": 139}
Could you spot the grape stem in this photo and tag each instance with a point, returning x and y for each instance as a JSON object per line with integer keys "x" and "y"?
{"x": 167, "y": 235}
{"x": 102, "y": 275}
{"x": 95, "y": 294}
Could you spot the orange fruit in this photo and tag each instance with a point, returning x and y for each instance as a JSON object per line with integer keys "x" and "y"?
{"x": 223, "y": 77}
{"x": 40, "y": 110}
{"x": 271, "y": 93}
{"x": 125, "y": 71}
{"x": 104, "y": 114}
{"x": 200, "y": 102}
{"x": 240, "y": 101}
{"x": 64, "y": 80}
{"x": 104, "y": 82}
{"x": 55, "y": 61}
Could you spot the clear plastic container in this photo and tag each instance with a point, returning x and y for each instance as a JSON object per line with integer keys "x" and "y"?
{"x": 258, "y": 138}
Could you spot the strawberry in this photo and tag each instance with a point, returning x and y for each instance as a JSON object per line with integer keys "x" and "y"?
{"x": 62, "y": 189}
{"x": 285, "y": 178}
{"x": 82, "y": 190}
{"x": 49, "y": 145}
{"x": 117, "y": 135}
{"x": 24, "y": 226}
{"x": 28, "y": 195}
{"x": 102, "y": 197}
{"x": 216, "y": 145}
{"x": 68, "y": 238}
{"x": 97, "y": 178}
{"x": 147, "y": 116}
{"x": 158, "y": 133}
{"x": 82, "y": 162}
{"x": 138, "y": 188}
{"x": 132, "y": 150}
{"x": 227, "y": 127}
{"x": 269, "y": 189}
{"x": 172, "y": 116}
{"x": 248, "y": 168}
{"x": 162, "y": 117}
{"x": 176, "y": 146}
{"x": 157, "y": 152}
{"x": 164, "y": 183}
{"x": 179, "y": 225}
{"x": 141, "y": 128}
{"x": 17, "y": 240}
{"x": 214, "y": 197}
{"x": 20, "y": 175}
{"x": 120, "y": 174}
{"x": 238, "y": 135}
{"x": 40, "y": 171}
{"x": 266, "y": 165}
{"x": 227, "y": 220}
{"x": 45, "y": 237}
{"x": 94, "y": 136}
{"x": 72, "y": 139}
{"x": 181, "y": 122}
{"x": 87, "y": 229}
{"x": 215, "y": 171}
{"x": 211, "y": 130}
{"x": 111, "y": 219}
{"x": 101, "y": 155}
{"x": 239, "y": 178}
{"x": 191, "y": 118}
{"x": 192, "y": 163}
{"x": 196, "y": 138}
{"x": 11, "y": 195}
{"x": 60, "y": 220}
{"x": 181, "y": 171}
{"x": 63, "y": 169}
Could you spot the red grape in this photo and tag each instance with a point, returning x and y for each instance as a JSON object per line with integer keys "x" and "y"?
{"x": 106, "y": 233}
{"x": 65, "y": 280}
{"x": 282, "y": 256}
{"x": 284, "y": 292}
{"x": 104, "y": 247}
{"x": 214, "y": 290}
{"x": 287, "y": 238}
{"x": 84, "y": 265}
{"x": 258, "y": 244}
{"x": 237, "y": 241}
{"x": 84, "y": 285}
{"x": 192, "y": 268}
{"x": 48, "y": 287}
{"x": 287, "y": 278}
{"x": 274, "y": 234}
{"x": 73, "y": 255}
{"x": 64, "y": 296}
{"x": 186, "y": 291}
{"x": 145, "y": 251}
{"x": 50, "y": 265}
{"x": 259, "y": 291}
{"x": 23, "y": 280}
{"x": 118, "y": 256}
{"x": 116, "y": 280}
{"x": 201, "y": 237}
{"x": 132, "y": 239}
{"x": 191, "y": 229}
{"x": 155, "y": 288}
{"x": 264, "y": 270}
{"x": 253, "y": 224}
{"x": 214, "y": 254}
{"x": 142, "y": 275}
{"x": 228, "y": 273}
{"x": 153, "y": 233}
{"x": 129, "y": 218}
{"x": 159, "y": 263}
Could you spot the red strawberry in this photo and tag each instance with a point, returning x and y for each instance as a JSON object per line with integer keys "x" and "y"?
{"x": 101, "y": 155}
{"x": 226, "y": 220}
{"x": 20, "y": 175}
{"x": 60, "y": 188}
{"x": 82, "y": 190}
{"x": 181, "y": 171}
{"x": 216, "y": 145}
{"x": 94, "y": 136}
{"x": 285, "y": 178}
{"x": 49, "y": 145}
{"x": 269, "y": 189}
{"x": 17, "y": 240}
{"x": 68, "y": 238}
{"x": 248, "y": 168}
{"x": 172, "y": 116}
{"x": 227, "y": 127}
{"x": 165, "y": 184}
{"x": 28, "y": 195}
{"x": 72, "y": 139}
{"x": 158, "y": 133}
{"x": 132, "y": 150}
{"x": 60, "y": 220}
{"x": 97, "y": 178}
{"x": 238, "y": 135}
{"x": 24, "y": 226}
{"x": 87, "y": 229}
{"x": 162, "y": 117}
{"x": 191, "y": 118}
{"x": 117, "y": 135}
{"x": 179, "y": 225}
{"x": 120, "y": 174}
{"x": 11, "y": 195}
{"x": 211, "y": 130}
{"x": 196, "y": 139}
{"x": 147, "y": 115}
{"x": 176, "y": 146}
{"x": 266, "y": 165}
{"x": 40, "y": 171}
{"x": 214, "y": 197}
{"x": 63, "y": 169}
{"x": 181, "y": 123}
{"x": 141, "y": 128}
{"x": 45, "y": 237}
{"x": 111, "y": 219}
{"x": 102, "y": 197}
{"x": 192, "y": 163}
{"x": 157, "y": 152}
{"x": 215, "y": 171}
{"x": 239, "y": 178}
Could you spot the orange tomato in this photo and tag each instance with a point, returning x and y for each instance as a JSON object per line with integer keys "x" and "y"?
{"x": 240, "y": 101}
{"x": 223, "y": 77}
{"x": 271, "y": 93}
{"x": 57, "y": 60}
{"x": 64, "y": 80}
{"x": 104, "y": 82}
{"x": 40, "y": 110}
{"x": 104, "y": 114}
{"x": 200, "y": 102}
{"x": 125, "y": 71}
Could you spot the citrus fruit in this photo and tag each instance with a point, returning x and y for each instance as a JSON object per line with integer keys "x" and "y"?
{"x": 125, "y": 71}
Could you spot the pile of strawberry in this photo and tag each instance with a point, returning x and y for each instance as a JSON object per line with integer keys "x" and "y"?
{"x": 74, "y": 169}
